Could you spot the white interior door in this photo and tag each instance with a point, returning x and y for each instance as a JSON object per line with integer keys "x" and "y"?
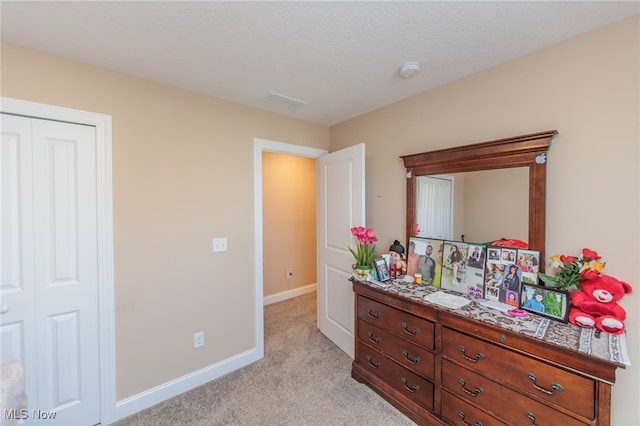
{"x": 434, "y": 201}
{"x": 341, "y": 206}
{"x": 49, "y": 267}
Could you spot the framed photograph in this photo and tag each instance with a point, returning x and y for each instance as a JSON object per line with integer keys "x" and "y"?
{"x": 373, "y": 273}
{"x": 494, "y": 274}
{"x": 382, "y": 270}
{"x": 475, "y": 269}
{"x": 425, "y": 257}
{"x": 512, "y": 277}
{"x": 512, "y": 298}
{"x": 477, "y": 254}
{"x": 494, "y": 254}
{"x": 508, "y": 255}
{"x": 454, "y": 267}
{"x": 529, "y": 264}
{"x": 545, "y": 301}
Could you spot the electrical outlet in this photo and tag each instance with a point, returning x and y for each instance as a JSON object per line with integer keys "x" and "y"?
{"x": 198, "y": 339}
{"x": 289, "y": 273}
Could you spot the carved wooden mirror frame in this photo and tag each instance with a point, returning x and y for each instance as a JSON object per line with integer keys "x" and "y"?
{"x": 519, "y": 151}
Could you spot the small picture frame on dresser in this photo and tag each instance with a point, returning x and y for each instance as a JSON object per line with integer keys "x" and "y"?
{"x": 545, "y": 301}
{"x": 382, "y": 270}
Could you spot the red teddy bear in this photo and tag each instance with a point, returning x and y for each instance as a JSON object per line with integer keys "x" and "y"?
{"x": 596, "y": 304}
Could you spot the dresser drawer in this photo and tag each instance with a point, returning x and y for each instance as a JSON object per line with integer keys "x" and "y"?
{"x": 455, "y": 411}
{"x": 545, "y": 381}
{"x": 415, "y": 329}
{"x": 520, "y": 410}
{"x": 399, "y": 378}
{"x": 407, "y": 354}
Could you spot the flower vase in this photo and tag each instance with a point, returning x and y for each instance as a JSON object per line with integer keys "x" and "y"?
{"x": 363, "y": 271}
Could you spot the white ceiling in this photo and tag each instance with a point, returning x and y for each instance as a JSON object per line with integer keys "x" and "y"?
{"x": 341, "y": 58}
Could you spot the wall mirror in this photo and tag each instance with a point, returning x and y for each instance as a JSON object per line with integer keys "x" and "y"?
{"x": 519, "y": 160}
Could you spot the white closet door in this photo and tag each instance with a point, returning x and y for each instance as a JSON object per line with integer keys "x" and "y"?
{"x": 53, "y": 260}
{"x": 434, "y": 200}
{"x": 17, "y": 266}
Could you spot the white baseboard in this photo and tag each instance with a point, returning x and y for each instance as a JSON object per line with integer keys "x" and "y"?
{"x": 279, "y": 297}
{"x": 153, "y": 396}
{"x": 158, "y": 394}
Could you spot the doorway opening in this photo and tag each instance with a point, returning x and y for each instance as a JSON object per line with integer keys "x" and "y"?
{"x": 261, "y": 146}
{"x": 288, "y": 226}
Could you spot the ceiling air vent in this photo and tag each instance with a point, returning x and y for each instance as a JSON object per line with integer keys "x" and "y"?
{"x": 284, "y": 101}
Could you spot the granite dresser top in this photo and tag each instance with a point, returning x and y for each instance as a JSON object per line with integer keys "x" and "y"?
{"x": 600, "y": 345}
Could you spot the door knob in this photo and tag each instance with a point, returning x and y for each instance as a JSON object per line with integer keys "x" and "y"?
{"x": 4, "y": 309}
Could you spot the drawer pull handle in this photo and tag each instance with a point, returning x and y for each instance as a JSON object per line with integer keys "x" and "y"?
{"x": 411, "y": 389}
{"x": 374, "y": 316}
{"x": 531, "y": 417}
{"x": 414, "y": 361}
{"x": 410, "y": 333}
{"x": 554, "y": 387}
{"x": 477, "y": 358}
{"x": 372, "y": 340}
{"x": 461, "y": 415}
{"x": 371, "y": 364}
{"x": 476, "y": 391}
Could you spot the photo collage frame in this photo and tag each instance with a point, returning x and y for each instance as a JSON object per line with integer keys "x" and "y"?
{"x": 506, "y": 270}
{"x": 490, "y": 272}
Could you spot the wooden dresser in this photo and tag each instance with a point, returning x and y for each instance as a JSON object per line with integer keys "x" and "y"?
{"x": 479, "y": 366}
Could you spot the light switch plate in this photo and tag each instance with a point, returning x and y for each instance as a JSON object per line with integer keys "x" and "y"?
{"x": 219, "y": 244}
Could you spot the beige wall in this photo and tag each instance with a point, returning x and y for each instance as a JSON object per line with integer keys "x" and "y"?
{"x": 495, "y": 205}
{"x": 182, "y": 175}
{"x": 588, "y": 89}
{"x": 288, "y": 221}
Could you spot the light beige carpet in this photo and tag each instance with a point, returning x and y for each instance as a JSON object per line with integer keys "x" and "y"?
{"x": 304, "y": 379}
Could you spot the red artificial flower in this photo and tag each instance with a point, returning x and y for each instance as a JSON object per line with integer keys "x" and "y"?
{"x": 589, "y": 274}
{"x": 588, "y": 254}
{"x": 567, "y": 259}
{"x": 571, "y": 270}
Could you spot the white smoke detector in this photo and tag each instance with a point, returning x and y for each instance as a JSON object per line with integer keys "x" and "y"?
{"x": 409, "y": 69}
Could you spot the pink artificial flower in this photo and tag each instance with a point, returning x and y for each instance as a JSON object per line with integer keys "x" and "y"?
{"x": 358, "y": 230}
{"x": 371, "y": 237}
{"x": 364, "y": 249}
